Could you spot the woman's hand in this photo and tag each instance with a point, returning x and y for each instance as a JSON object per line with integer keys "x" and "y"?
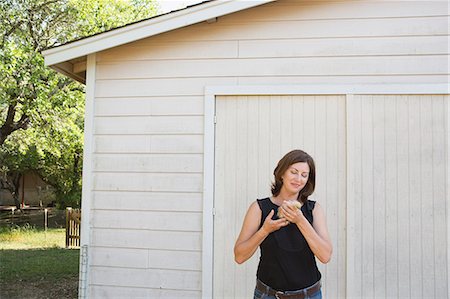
{"x": 291, "y": 212}
{"x": 252, "y": 235}
{"x": 270, "y": 225}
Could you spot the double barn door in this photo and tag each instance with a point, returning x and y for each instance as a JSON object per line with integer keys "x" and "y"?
{"x": 381, "y": 178}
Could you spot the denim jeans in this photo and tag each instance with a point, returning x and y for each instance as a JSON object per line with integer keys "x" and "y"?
{"x": 260, "y": 295}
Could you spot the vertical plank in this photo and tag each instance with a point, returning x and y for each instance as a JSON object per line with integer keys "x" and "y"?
{"x": 264, "y": 162}
{"x": 367, "y": 221}
{"x": 426, "y": 196}
{"x": 379, "y": 199}
{"x": 391, "y": 174}
{"x": 440, "y": 196}
{"x": 298, "y": 127}
{"x": 415, "y": 164}
{"x": 308, "y": 125}
{"x": 447, "y": 137}
{"x": 354, "y": 197}
{"x": 287, "y": 124}
{"x": 403, "y": 115}
{"x": 329, "y": 145}
{"x": 242, "y": 287}
{"x": 252, "y": 181}
{"x": 341, "y": 176}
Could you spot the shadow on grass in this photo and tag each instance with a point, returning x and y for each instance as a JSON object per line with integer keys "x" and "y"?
{"x": 39, "y": 273}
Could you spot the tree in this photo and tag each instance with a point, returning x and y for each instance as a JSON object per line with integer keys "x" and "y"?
{"x": 41, "y": 111}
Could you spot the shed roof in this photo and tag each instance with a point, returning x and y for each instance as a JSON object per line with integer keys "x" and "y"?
{"x": 70, "y": 58}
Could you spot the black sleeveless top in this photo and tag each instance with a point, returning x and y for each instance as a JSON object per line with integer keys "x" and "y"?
{"x": 286, "y": 263}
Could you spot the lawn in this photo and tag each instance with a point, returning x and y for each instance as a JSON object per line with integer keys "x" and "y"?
{"x": 35, "y": 264}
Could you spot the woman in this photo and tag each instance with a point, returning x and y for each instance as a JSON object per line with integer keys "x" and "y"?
{"x": 290, "y": 237}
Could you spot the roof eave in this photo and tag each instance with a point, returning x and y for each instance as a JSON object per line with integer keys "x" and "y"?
{"x": 58, "y": 56}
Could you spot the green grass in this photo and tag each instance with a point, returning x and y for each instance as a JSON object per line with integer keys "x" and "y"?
{"x": 35, "y": 264}
{"x": 31, "y": 238}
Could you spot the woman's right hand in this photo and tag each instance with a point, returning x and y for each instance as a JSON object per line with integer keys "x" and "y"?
{"x": 271, "y": 225}
{"x": 252, "y": 234}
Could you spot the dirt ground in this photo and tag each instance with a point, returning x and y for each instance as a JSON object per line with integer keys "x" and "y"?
{"x": 64, "y": 288}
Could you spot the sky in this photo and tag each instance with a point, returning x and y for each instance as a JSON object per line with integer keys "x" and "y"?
{"x": 169, "y": 5}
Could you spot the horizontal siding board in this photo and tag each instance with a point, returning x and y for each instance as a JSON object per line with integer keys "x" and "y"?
{"x": 330, "y": 28}
{"x": 175, "y": 260}
{"x": 132, "y": 144}
{"x": 171, "y": 50}
{"x": 373, "y": 46}
{"x": 145, "y": 258}
{"x": 311, "y": 66}
{"x": 102, "y": 291}
{"x": 148, "y": 201}
{"x": 169, "y": 182}
{"x": 159, "y": 220}
{"x": 148, "y": 278}
{"x": 319, "y": 10}
{"x": 149, "y": 106}
{"x": 146, "y": 239}
{"x": 157, "y": 87}
{"x": 148, "y": 163}
{"x": 149, "y": 125}
{"x": 119, "y": 257}
{"x": 368, "y": 79}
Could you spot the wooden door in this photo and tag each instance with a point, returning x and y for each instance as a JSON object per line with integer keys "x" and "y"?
{"x": 252, "y": 134}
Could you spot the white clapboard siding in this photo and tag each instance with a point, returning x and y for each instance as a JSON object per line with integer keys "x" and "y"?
{"x": 398, "y": 197}
{"x": 192, "y": 163}
{"x": 149, "y": 278}
{"x": 297, "y": 66}
{"x": 398, "y": 45}
{"x": 300, "y": 47}
{"x": 132, "y": 144}
{"x": 252, "y": 134}
{"x": 343, "y": 80}
{"x": 149, "y": 125}
{"x": 146, "y": 258}
{"x": 102, "y": 291}
{"x": 157, "y": 87}
{"x": 120, "y": 257}
{"x": 158, "y": 220}
{"x": 146, "y": 239}
{"x": 148, "y": 201}
{"x": 172, "y": 50}
{"x": 159, "y": 182}
{"x": 149, "y": 106}
{"x": 319, "y": 10}
{"x": 328, "y": 28}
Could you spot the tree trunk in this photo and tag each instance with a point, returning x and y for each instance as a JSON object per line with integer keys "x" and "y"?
{"x": 11, "y": 182}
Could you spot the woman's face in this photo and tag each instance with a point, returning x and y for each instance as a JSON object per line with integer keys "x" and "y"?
{"x": 295, "y": 178}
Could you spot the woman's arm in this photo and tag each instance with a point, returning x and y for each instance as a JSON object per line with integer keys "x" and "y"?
{"x": 251, "y": 235}
{"x": 316, "y": 235}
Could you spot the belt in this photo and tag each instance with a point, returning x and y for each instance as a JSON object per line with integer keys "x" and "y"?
{"x": 300, "y": 294}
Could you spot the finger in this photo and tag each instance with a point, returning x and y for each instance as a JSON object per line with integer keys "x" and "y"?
{"x": 281, "y": 222}
{"x": 270, "y": 215}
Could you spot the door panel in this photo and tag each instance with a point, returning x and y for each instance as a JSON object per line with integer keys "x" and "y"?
{"x": 252, "y": 134}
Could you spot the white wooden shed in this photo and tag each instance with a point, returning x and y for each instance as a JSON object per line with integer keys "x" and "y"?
{"x": 188, "y": 112}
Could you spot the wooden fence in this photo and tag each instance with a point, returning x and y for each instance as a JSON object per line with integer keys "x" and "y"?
{"x": 73, "y": 227}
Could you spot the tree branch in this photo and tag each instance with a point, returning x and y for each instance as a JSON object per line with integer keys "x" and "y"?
{"x": 10, "y": 125}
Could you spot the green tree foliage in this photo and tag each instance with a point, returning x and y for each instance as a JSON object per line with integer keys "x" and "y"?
{"x": 41, "y": 111}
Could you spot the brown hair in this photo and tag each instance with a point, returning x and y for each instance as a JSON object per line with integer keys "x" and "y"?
{"x": 290, "y": 158}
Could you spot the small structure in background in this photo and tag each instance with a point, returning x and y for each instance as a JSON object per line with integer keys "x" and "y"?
{"x": 73, "y": 221}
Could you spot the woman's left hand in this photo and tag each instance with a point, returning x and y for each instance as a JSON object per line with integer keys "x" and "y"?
{"x": 292, "y": 213}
